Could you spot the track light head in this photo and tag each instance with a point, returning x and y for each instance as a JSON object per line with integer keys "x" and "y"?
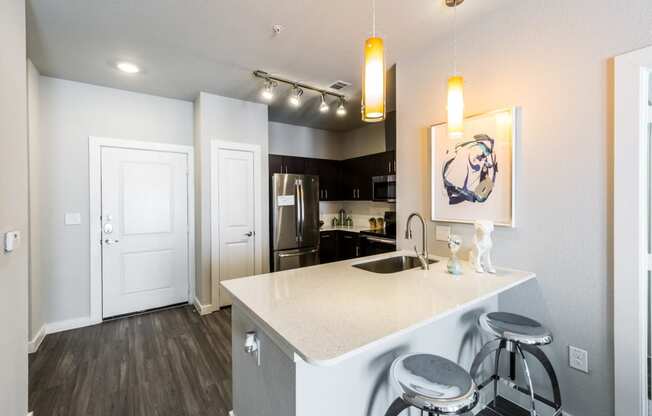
{"x": 268, "y": 91}
{"x": 295, "y": 96}
{"x": 324, "y": 107}
{"x": 341, "y": 110}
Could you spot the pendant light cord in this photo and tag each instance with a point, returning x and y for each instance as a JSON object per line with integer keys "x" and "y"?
{"x": 373, "y": 18}
{"x": 455, "y": 39}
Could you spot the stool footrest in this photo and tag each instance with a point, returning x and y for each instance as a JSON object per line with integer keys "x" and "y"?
{"x": 503, "y": 407}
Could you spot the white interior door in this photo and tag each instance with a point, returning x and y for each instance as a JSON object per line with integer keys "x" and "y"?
{"x": 237, "y": 231}
{"x": 144, "y": 230}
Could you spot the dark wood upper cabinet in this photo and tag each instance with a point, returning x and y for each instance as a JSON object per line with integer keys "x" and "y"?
{"x": 345, "y": 180}
{"x": 275, "y": 164}
{"x": 296, "y": 165}
{"x": 327, "y": 170}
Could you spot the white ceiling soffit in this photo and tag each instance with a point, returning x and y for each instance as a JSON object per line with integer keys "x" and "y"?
{"x": 185, "y": 47}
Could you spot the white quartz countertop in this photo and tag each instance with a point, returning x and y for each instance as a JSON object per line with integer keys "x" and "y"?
{"x": 329, "y": 312}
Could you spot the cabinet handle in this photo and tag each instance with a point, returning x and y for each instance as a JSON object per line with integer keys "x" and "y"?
{"x": 389, "y": 167}
{"x": 357, "y": 251}
{"x": 326, "y": 190}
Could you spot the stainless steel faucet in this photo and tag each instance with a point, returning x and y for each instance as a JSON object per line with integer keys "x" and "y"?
{"x": 423, "y": 256}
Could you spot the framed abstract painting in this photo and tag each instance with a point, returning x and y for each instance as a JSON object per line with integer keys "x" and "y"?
{"x": 473, "y": 178}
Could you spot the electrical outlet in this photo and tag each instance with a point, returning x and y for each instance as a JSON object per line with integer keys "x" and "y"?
{"x": 578, "y": 359}
{"x": 442, "y": 232}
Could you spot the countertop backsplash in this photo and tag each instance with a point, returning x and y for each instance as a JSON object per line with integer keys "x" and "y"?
{"x": 359, "y": 211}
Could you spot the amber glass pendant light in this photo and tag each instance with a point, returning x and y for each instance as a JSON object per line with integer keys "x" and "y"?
{"x": 455, "y": 107}
{"x": 373, "y": 80}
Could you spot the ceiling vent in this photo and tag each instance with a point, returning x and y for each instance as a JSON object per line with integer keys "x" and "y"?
{"x": 338, "y": 85}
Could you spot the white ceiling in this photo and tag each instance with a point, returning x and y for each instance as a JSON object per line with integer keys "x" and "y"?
{"x": 187, "y": 46}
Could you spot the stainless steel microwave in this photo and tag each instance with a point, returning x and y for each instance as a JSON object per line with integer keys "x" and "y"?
{"x": 383, "y": 188}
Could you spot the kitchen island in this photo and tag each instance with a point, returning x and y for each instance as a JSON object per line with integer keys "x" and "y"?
{"x": 327, "y": 334}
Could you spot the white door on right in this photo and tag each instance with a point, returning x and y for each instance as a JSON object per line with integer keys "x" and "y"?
{"x": 236, "y": 227}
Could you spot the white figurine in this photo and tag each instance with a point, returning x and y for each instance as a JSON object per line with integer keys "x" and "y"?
{"x": 454, "y": 266}
{"x": 481, "y": 252}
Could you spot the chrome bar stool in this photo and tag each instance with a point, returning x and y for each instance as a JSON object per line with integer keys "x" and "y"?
{"x": 432, "y": 384}
{"x": 517, "y": 335}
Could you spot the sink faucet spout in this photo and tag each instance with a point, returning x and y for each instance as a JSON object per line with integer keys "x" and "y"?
{"x": 423, "y": 256}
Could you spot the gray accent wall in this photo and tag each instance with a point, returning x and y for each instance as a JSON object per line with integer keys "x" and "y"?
{"x": 13, "y": 209}
{"x": 229, "y": 120}
{"x": 68, "y": 113}
{"x": 553, "y": 59}
{"x": 291, "y": 140}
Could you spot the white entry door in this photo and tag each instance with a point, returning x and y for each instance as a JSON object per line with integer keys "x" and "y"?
{"x": 144, "y": 230}
{"x": 237, "y": 232}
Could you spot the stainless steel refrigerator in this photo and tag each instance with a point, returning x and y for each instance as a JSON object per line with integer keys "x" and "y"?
{"x": 295, "y": 221}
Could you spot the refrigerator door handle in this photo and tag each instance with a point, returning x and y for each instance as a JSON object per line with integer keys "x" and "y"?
{"x": 297, "y": 198}
{"x": 300, "y": 253}
{"x": 303, "y": 211}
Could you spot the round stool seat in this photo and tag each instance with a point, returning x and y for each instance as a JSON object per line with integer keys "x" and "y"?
{"x": 516, "y": 328}
{"x": 435, "y": 384}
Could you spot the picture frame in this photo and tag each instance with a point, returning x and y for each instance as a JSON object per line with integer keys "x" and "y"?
{"x": 474, "y": 177}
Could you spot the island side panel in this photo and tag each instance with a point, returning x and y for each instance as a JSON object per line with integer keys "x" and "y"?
{"x": 360, "y": 386}
{"x": 265, "y": 390}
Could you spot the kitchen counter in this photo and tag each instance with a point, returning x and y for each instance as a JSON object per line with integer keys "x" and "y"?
{"x": 325, "y": 314}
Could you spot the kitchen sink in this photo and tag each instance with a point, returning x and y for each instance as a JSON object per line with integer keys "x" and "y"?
{"x": 392, "y": 264}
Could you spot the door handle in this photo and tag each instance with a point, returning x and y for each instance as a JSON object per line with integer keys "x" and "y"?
{"x": 109, "y": 242}
{"x": 249, "y": 234}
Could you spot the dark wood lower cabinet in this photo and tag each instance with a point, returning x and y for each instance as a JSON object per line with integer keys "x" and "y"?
{"x": 348, "y": 245}
{"x": 327, "y": 246}
{"x": 338, "y": 245}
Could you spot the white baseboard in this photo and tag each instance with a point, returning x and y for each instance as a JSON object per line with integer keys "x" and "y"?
{"x": 69, "y": 324}
{"x": 203, "y": 309}
{"x": 60, "y": 326}
{"x": 32, "y": 346}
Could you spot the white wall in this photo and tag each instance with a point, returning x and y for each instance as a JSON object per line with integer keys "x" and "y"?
{"x": 365, "y": 140}
{"x": 291, "y": 140}
{"x": 553, "y": 59}
{"x": 70, "y": 112}
{"x": 13, "y": 209}
{"x": 35, "y": 276}
{"x": 231, "y": 120}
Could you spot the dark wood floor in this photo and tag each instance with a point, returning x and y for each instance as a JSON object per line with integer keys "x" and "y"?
{"x": 166, "y": 363}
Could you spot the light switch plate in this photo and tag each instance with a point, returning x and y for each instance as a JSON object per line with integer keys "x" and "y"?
{"x": 72, "y": 218}
{"x": 578, "y": 359}
{"x": 442, "y": 232}
{"x": 12, "y": 238}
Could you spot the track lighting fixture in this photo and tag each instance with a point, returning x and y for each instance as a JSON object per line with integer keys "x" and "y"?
{"x": 323, "y": 107}
{"x": 297, "y": 90}
{"x": 341, "y": 110}
{"x": 295, "y": 96}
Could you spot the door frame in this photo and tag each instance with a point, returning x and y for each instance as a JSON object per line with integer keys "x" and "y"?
{"x": 95, "y": 145}
{"x": 631, "y": 260}
{"x": 216, "y": 146}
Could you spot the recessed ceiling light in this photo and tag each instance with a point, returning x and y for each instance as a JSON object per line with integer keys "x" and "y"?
{"x": 128, "y": 67}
